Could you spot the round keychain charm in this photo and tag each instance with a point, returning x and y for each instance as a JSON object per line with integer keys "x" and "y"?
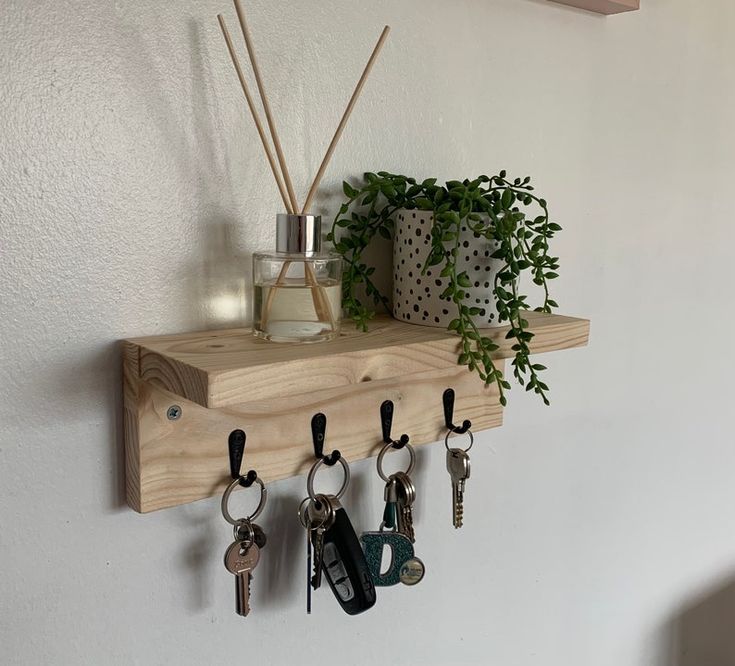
{"x": 412, "y": 571}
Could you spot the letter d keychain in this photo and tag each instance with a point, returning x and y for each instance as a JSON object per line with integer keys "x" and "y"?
{"x": 399, "y": 496}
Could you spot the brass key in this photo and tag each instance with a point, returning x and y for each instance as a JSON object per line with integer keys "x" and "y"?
{"x": 240, "y": 559}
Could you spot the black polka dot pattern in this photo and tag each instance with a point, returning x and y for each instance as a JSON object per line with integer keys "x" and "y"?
{"x": 417, "y": 295}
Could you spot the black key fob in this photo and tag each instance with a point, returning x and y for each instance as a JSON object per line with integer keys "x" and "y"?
{"x": 345, "y": 566}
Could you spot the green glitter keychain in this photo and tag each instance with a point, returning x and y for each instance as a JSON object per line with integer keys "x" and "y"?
{"x": 404, "y": 567}
{"x": 396, "y": 530}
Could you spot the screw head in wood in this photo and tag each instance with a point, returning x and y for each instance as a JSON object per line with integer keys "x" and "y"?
{"x": 173, "y": 413}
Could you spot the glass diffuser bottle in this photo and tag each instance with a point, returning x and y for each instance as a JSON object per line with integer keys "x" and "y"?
{"x": 298, "y": 289}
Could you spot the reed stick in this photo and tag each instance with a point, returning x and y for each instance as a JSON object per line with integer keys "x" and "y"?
{"x": 254, "y": 113}
{"x": 345, "y": 118}
{"x": 266, "y": 105}
{"x": 321, "y": 300}
{"x": 333, "y": 144}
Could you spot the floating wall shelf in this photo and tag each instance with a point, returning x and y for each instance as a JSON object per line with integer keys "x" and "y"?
{"x": 603, "y": 6}
{"x": 184, "y": 394}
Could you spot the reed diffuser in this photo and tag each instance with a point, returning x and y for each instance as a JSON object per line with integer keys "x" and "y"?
{"x": 297, "y": 287}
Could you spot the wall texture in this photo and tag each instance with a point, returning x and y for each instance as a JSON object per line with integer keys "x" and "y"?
{"x": 132, "y": 193}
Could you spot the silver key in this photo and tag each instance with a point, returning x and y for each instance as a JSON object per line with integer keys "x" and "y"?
{"x": 308, "y": 570}
{"x": 305, "y": 519}
{"x": 321, "y": 517}
{"x": 406, "y": 493}
{"x": 240, "y": 559}
{"x": 458, "y": 466}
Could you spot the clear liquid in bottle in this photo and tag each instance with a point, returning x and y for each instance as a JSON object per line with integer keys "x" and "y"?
{"x": 297, "y": 288}
{"x": 295, "y": 311}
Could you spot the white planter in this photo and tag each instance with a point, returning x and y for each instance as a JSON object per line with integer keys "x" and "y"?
{"x": 416, "y": 297}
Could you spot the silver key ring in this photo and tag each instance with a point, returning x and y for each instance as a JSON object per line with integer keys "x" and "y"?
{"x": 241, "y": 524}
{"x": 303, "y": 507}
{"x": 385, "y": 449}
{"x": 469, "y": 432}
{"x": 301, "y": 513}
{"x": 312, "y": 474}
{"x": 226, "y": 498}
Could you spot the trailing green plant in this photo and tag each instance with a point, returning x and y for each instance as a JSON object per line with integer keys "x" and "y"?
{"x": 506, "y": 213}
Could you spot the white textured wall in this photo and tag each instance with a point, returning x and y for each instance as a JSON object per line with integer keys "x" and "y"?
{"x": 598, "y": 532}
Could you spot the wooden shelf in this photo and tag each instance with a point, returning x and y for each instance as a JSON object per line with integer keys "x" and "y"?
{"x": 603, "y": 6}
{"x": 222, "y": 380}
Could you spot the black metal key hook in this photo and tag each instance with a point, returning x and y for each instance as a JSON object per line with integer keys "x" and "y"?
{"x": 448, "y": 400}
{"x": 318, "y": 432}
{"x": 386, "y": 423}
{"x": 236, "y": 448}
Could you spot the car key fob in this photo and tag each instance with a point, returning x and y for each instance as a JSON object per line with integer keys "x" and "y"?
{"x": 344, "y": 565}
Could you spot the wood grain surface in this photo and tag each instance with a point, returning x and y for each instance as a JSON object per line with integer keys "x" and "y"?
{"x": 220, "y": 368}
{"x": 224, "y": 380}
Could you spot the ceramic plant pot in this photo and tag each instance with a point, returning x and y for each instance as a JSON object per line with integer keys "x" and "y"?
{"x": 417, "y": 298}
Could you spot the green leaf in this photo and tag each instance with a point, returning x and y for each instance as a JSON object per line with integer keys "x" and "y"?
{"x": 349, "y": 191}
{"x": 508, "y": 198}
